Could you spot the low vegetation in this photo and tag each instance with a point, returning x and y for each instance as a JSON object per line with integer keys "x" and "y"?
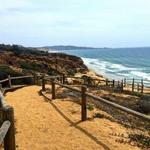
{"x": 18, "y": 60}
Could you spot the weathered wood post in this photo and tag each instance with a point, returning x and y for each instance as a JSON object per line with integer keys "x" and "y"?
{"x": 118, "y": 83}
{"x": 37, "y": 79}
{"x": 106, "y": 82}
{"x": 121, "y": 85}
{"x": 53, "y": 89}
{"x": 83, "y": 104}
{"x": 63, "y": 79}
{"x": 125, "y": 82}
{"x": 142, "y": 86}
{"x": 34, "y": 79}
{"x": 84, "y": 80}
{"x": 133, "y": 85}
{"x": 138, "y": 87}
{"x": 1, "y": 89}
{"x": 9, "y": 141}
{"x": 43, "y": 82}
{"x": 1, "y": 100}
{"x": 9, "y": 81}
{"x": 113, "y": 83}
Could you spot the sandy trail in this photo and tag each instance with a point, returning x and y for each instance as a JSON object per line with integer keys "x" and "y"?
{"x": 42, "y": 125}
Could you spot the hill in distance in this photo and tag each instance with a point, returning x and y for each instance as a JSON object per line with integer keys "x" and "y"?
{"x": 68, "y": 47}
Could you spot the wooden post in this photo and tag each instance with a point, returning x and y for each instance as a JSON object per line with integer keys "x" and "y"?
{"x": 133, "y": 85}
{"x": 9, "y": 141}
{"x": 1, "y": 102}
{"x": 1, "y": 89}
{"x": 122, "y": 85}
{"x": 9, "y": 81}
{"x": 34, "y": 79}
{"x": 83, "y": 104}
{"x": 106, "y": 82}
{"x": 113, "y": 83}
{"x": 3, "y": 130}
{"x": 84, "y": 81}
{"x": 142, "y": 86}
{"x": 63, "y": 79}
{"x": 124, "y": 82}
{"x": 43, "y": 82}
{"x": 56, "y": 65}
{"x": 138, "y": 87}
{"x": 118, "y": 83}
{"x": 37, "y": 80}
{"x": 53, "y": 89}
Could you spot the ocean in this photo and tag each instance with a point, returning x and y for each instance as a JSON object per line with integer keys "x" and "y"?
{"x": 117, "y": 63}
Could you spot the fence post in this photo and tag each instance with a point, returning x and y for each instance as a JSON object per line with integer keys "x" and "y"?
{"x": 53, "y": 89}
{"x": 34, "y": 79}
{"x": 113, "y": 83}
{"x": 133, "y": 85}
{"x": 83, "y": 104}
{"x": 37, "y": 79}
{"x": 9, "y": 141}
{"x": 118, "y": 83}
{"x": 124, "y": 82}
{"x": 122, "y": 85}
{"x": 138, "y": 87}
{"x": 106, "y": 82}
{"x": 63, "y": 79}
{"x": 9, "y": 81}
{"x": 142, "y": 86}
{"x": 1, "y": 87}
{"x": 43, "y": 82}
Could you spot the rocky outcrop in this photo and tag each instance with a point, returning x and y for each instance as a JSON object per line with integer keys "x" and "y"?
{"x": 31, "y": 60}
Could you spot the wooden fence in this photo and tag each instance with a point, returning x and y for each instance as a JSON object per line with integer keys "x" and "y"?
{"x": 7, "y": 130}
{"x": 137, "y": 85}
{"x": 84, "y": 96}
{"x": 126, "y": 84}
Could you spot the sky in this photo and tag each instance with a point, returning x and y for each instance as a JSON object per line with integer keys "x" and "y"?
{"x": 96, "y": 23}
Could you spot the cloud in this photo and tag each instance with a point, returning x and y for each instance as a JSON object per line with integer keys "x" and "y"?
{"x": 74, "y": 20}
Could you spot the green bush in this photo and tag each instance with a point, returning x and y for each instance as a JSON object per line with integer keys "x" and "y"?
{"x": 6, "y": 70}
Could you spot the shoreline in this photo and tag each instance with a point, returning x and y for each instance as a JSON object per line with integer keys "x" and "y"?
{"x": 117, "y": 71}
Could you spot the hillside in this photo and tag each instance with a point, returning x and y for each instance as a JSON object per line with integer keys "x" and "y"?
{"x": 18, "y": 60}
{"x": 68, "y": 47}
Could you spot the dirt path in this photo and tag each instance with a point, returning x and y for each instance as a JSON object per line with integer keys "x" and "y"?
{"x": 56, "y": 125}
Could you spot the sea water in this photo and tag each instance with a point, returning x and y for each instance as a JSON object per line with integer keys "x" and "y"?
{"x": 117, "y": 63}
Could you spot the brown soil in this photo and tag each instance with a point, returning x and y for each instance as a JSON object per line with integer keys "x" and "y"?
{"x": 55, "y": 125}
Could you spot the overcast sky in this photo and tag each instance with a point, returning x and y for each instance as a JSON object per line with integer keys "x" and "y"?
{"x": 98, "y": 23}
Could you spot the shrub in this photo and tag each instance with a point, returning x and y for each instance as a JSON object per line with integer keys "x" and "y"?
{"x": 6, "y": 70}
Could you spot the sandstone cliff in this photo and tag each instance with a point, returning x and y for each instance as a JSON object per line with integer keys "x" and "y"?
{"x": 17, "y": 59}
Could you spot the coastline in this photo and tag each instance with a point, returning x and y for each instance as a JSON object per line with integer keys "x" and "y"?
{"x": 91, "y": 74}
